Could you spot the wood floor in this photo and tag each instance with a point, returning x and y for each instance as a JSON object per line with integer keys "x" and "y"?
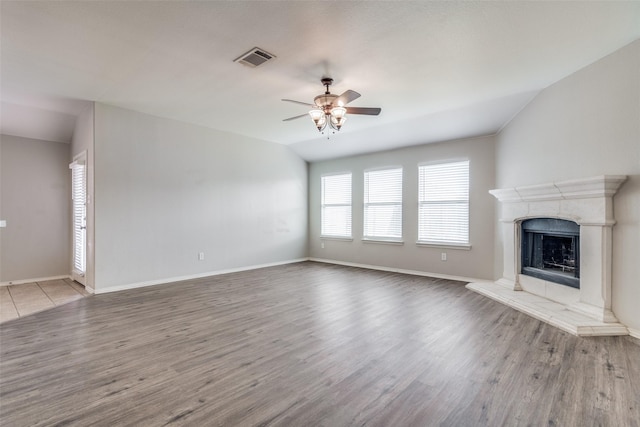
{"x": 309, "y": 344}
{"x": 28, "y": 298}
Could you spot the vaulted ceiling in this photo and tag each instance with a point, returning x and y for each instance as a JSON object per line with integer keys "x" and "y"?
{"x": 439, "y": 70}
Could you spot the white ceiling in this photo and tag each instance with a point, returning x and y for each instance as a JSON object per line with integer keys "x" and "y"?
{"x": 439, "y": 70}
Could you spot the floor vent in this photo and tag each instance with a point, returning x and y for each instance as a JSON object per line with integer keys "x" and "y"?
{"x": 254, "y": 57}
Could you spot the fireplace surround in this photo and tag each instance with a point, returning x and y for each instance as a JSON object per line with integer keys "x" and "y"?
{"x": 586, "y": 202}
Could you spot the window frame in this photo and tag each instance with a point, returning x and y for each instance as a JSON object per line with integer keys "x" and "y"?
{"x": 79, "y": 197}
{"x": 371, "y": 238}
{"x": 324, "y": 205}
{"x": 453, "y": 243}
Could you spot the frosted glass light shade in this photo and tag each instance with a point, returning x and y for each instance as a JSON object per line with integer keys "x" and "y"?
{"x": 317, "y": 115}
{"x": 338, "y": 117}
{"x": 338, "y": 112}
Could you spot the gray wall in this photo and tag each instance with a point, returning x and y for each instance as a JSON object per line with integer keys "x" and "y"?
{"x": 167, "y": 190}
{"x": 474, "y": 263}
{"x": 35, "y": 188}
{"x": 585, "y": 125}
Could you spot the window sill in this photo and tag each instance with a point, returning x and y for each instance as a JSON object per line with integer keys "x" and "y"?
{"x": 444, "y": 245}
{"x": 383, "y": 241}
{"x": 345, "y": 239}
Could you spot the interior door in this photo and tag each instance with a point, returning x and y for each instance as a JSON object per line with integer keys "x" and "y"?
{"x": 79, "y": 212}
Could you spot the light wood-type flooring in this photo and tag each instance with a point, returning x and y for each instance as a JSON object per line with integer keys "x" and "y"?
{"x": 28, "y": 298}
{"x": 309, "y": 344}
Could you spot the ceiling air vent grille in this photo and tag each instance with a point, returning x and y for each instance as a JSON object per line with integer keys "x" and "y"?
{"x": 254, "y": 57}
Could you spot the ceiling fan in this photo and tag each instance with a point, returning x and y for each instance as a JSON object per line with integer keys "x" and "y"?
{"x": 329, "y": 109}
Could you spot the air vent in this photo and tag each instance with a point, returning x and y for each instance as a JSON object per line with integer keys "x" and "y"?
{"x": 254, "y": 57}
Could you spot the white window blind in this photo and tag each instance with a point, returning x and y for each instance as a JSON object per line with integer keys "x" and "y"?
{"x": 443, "y": 212}
{"x": 336, "y": 205}
{"x": 383, "y": 204}
{"x": 79, "y": 205}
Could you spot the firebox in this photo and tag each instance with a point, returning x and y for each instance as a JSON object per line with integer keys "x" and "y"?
{"x": 551, "y": 250}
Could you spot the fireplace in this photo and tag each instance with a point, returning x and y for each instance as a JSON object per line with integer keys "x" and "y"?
{"x": 550, "y": 250}
{"x": 557, "y": 253}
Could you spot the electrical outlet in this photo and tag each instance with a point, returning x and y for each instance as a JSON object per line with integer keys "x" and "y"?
{"x": 201, "y": 256}
{"x": 322, "y": 245}
{"x": 443, "y": 256}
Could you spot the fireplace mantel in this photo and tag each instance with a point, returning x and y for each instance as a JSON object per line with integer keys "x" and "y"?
{"x": 589, "y": 203}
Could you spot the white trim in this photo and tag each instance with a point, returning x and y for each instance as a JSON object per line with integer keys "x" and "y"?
{"x": 399, "y": 270}
{"x": 383, "y": 168}
{"x": 461, "y": 246}
{"x": 382, "y": 240}
{"x": 446, "y": 160}
{"x": 80, "y": 158}
{"x": 634, "y": 332}
{"x": 38, "y": 279}
{"x": 336, "y": 173}
{"x": 347, "y": 239}
{"x": 192, "y": 276}
{"x": 601, "y": 186}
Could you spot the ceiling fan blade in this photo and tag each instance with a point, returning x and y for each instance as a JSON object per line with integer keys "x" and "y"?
{"x": 346, "y": 97}
{"x": 294, "y": 117}
{"x": 364, "y": 110}
{"x": 299, "y": 102}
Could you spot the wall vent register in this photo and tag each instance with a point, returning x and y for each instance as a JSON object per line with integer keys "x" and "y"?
{"x": 254, "y": 57}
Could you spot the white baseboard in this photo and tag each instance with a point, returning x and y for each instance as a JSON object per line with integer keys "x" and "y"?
{"x": 37, "y": 279}
{"x": 400, "y": 270}
{"x": 193, "y": 276}
{"x": 634, "y": 332}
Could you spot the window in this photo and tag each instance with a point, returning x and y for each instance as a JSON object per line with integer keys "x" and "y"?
{"x": 79, "y": 211}
{"x": 443, "y": 199}
{"x": 383, "y": 204}
{"x": 336, "y": 205}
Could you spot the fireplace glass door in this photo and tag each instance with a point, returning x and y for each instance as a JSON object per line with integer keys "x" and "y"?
{"x": 551, "y": 250}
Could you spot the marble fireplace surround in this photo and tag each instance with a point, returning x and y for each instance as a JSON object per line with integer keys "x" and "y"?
{"x": 589, "y": 203}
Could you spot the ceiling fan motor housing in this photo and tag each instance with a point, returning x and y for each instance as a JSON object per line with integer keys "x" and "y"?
{"x": 324, "y": 101}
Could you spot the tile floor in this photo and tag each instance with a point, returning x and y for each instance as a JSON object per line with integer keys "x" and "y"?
{"x": 22, "y": 300}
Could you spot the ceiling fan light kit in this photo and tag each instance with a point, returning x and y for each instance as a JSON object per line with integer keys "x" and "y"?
{"x": 329, "y": 109}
